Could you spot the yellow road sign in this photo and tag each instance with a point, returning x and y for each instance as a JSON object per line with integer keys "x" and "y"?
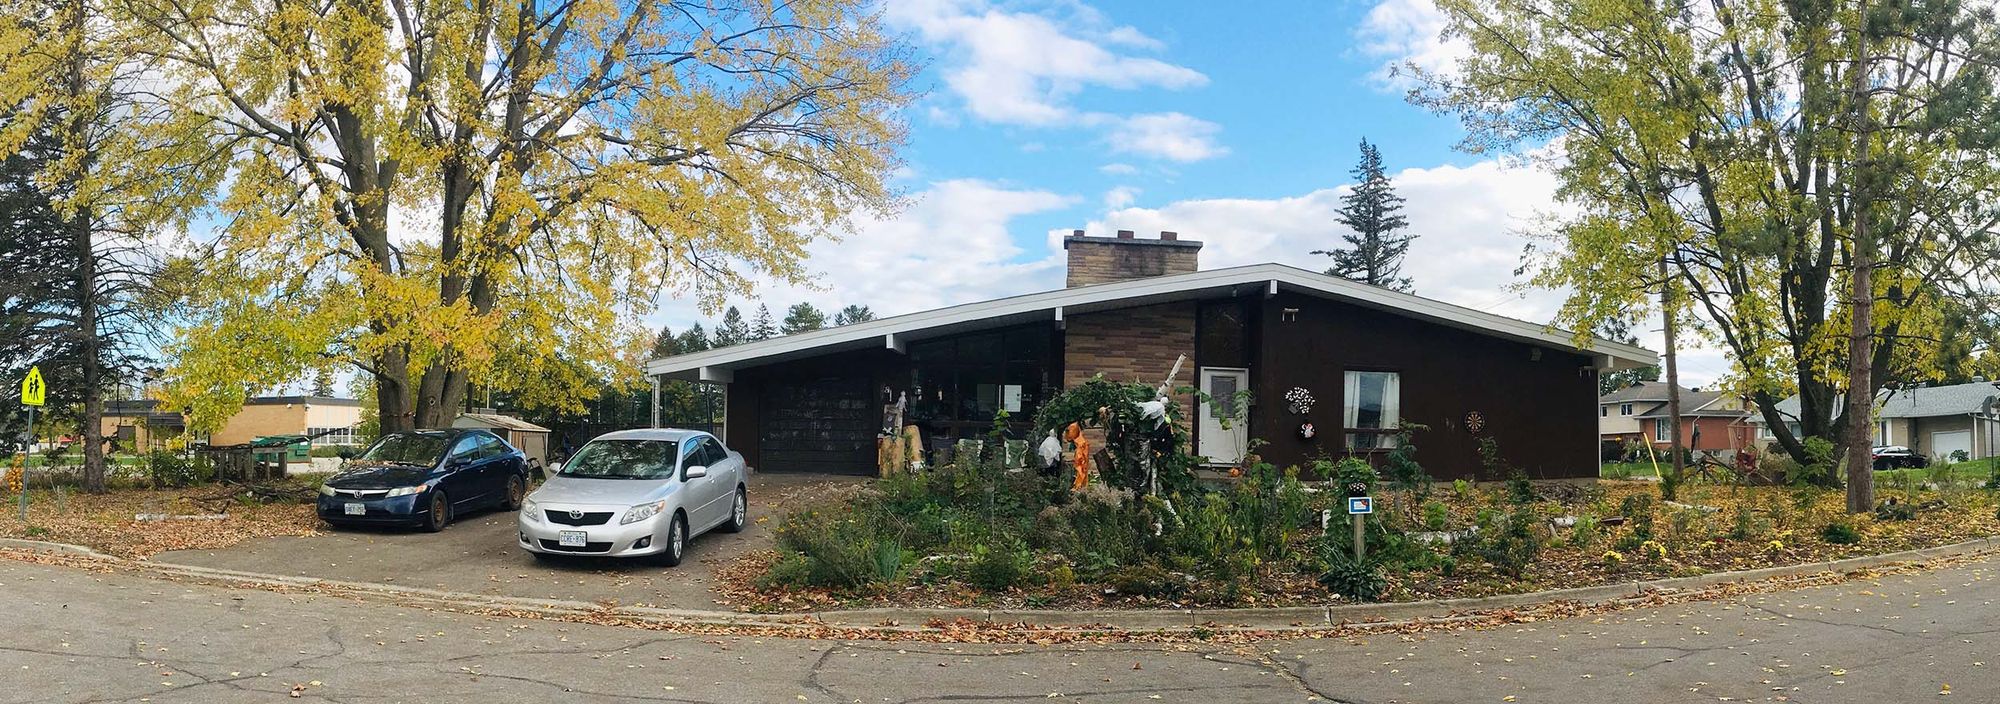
{"x": 32, "y": 388}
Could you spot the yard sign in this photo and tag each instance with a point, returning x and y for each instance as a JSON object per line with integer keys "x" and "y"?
{"x": 1357, "y": 505}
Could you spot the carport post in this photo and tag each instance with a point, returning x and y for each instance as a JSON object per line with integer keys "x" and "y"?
{"x": 656, "y": 399}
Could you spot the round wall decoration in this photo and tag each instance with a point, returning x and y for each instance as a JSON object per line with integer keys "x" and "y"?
{"x": 1299, "y": 401}
{"x": 1475, "y": 422}
{"x": 1306, "y": 431}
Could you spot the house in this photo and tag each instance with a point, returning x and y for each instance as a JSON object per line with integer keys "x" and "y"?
{"x": 1713, "y": 422}
{"x": 1940, "y": 422}
{"x": 141, "y": 424}
{"x": 1618, "y": 412}
{"x": 1371, "y": 358}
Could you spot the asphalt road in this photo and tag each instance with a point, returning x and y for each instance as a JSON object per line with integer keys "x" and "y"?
{"x": 478, "y": 554}
{"x": 74, "y": 636}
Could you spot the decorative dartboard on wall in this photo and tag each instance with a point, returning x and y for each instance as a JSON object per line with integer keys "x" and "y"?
{"x": 1475, "y": 422}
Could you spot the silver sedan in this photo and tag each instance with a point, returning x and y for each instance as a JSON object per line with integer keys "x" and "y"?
{"x": 637, "y": 493}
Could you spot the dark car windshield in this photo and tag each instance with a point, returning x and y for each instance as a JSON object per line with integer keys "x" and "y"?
{"x": 406, "y": 448}
{"x": 623, "y": 459}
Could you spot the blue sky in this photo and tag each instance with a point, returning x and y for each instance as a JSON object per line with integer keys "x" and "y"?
{"x": 1236, "y": 128}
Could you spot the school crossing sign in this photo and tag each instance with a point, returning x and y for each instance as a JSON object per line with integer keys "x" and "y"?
{"x": 33, "y": 389}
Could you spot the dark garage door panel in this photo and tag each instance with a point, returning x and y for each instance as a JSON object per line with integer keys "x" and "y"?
{"x": 819, "y": 425}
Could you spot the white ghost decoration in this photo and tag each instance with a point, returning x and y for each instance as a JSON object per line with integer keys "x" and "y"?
{"x": 1051, "y": 450}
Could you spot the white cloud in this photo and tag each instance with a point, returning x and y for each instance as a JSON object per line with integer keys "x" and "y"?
{"x": 1408, "y": 33}
{"x": 1116, "y": 169}
{"x": 1120, "y": 197}
{"x": 1022, "y": 67}
{"x": 951, "y": 245}
{"x": 1168, "y": 135}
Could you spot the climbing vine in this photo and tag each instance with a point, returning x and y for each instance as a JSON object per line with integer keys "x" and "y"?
{"x": 1145, "y": 441}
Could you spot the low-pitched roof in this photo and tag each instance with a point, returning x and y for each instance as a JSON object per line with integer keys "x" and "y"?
{"x": 1641, "y": 391}
{"x": 1924, "y": 401}
{"x": 893, "y": 332}
{"x": 1697, "y": 404}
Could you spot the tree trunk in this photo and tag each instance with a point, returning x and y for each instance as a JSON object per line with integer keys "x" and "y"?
{"x": 1670, "y": 484}
{"x": 1860, "y": 341}
{"x": 82, "y": 225}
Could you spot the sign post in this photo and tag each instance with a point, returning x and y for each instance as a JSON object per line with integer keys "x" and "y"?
{"x": 1358, "y": 508}
{"x": 33, "y": 392}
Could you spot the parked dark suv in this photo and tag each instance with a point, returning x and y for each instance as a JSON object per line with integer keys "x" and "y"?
{"x": 1898, "y": 457}
{"x": 423, "y": 478}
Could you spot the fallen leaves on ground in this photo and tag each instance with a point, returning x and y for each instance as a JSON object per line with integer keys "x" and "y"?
{"x": 105, "y": 522}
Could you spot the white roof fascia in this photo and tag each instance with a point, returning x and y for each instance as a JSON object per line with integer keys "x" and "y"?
{"x": 1062, "y": 303}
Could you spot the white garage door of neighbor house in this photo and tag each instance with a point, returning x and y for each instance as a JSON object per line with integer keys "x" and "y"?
{"x": 1943, "y": 444}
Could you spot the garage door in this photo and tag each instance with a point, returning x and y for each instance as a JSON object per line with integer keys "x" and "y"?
{"x": 819, "y": 425}
{"x": 1944, "y": 444}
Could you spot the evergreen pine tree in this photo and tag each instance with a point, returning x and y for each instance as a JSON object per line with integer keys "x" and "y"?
{"x": 802, "y": 317}
{"x": 761, "y": 328}
{"x": 853, "y": 314}
{"x": 694, "y": 340}
{"x": 666, "y": 344}
{"x": 1374, "y": 251}
{"x": 732, "y": 330}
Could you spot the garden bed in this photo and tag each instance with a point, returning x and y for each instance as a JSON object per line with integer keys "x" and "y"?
{"x": 198, "y": 517}
{"x": 1000, "y": 539}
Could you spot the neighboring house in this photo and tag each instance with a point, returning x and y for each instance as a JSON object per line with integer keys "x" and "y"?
{"x": 1711, "y": 421}
{"x": 1618, "y": 412}
{"x": 1371, "y": 357}
{"x": 141, "y": 424}
{"x": 1935, "y": 421}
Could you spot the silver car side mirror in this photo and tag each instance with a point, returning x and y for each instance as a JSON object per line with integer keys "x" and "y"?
{"x": 696, "y": 472}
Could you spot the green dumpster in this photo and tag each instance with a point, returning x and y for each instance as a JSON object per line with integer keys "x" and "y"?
{"x": 291, "y": 448}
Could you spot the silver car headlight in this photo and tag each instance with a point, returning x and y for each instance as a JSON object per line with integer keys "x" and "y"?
{"x": 642, "y": 512}
{"x": 408, "y": 490}
{"x": 325, "y": 490}
{"x": 531, "y": 510}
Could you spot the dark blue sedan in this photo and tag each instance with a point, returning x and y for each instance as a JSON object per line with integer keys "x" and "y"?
{"x": 423, "y": 478}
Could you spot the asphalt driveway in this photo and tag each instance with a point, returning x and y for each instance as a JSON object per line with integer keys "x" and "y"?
{"x": 478, "y": 554}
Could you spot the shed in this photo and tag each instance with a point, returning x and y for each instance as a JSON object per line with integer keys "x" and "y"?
{"x": 533, "y": 440}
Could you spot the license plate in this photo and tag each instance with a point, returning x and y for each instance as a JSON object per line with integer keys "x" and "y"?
{"x": 571, "y": 539}
{"x": 357, "y": 509}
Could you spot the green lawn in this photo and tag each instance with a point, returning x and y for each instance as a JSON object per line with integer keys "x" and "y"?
{"x": 1975, "y": 470}
{"x": 1626, "y": 470}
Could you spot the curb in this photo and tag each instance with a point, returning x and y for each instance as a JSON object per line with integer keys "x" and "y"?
{"x": 1302, "y": 618}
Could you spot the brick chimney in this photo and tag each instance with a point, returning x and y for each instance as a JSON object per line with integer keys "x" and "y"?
{"x": 1096, "y": 260}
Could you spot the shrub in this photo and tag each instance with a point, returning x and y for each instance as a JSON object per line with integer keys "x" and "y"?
{"x": 999, "y": 568}
{"x": 1461, "y": 489}
{"x": 1520, "y": 490}
{"x": 1400, "y": 465}
{"x": 1348, "y": 472}
{"x": 166, "y": 469}
{"x": 1436, "y": 515}
{"x": 830, "y": 551}
{"x": 1746, "y": 525}
{"x": 1145, "y": 580}
{"x": 1359, "y": 580}
{"x": 1638, "y": 511}
{"x": 1585, "y": 532}
{"x": 1840, "y": 533}
{"x": 1508, "y": 542}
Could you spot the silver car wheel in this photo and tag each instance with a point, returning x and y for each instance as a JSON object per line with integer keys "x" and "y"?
{"x": 675, "y": 541}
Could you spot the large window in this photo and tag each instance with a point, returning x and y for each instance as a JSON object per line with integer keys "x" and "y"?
{"x": 1372, "y": 408}
{"x": 959, "y": 384}
{"x": 1625, "y": 409}
{"x": 333, "y": 436}
{"x": 1660, "y": 426}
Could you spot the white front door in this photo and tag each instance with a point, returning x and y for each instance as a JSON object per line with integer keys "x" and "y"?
{"x": 1224, "y": 431}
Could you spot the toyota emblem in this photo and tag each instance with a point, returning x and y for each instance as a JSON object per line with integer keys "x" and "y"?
{"x": 575, "y": 514}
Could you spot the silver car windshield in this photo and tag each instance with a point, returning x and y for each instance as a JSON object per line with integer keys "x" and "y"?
{"x": 623, "y": 459}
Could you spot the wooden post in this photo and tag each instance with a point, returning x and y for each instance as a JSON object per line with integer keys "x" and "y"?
{"x": 1360, "y": 537}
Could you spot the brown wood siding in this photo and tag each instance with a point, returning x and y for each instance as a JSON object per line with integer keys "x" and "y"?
{"x": 1541, "y": 413}
{"x": 751, "y": 392}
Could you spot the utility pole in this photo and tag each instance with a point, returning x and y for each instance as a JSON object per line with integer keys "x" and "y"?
{"x": 1861, "y": 333}
{"x": 1670, "y": 484}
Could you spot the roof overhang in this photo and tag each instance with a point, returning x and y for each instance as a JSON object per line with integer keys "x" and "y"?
{"x": 894, "y": 333}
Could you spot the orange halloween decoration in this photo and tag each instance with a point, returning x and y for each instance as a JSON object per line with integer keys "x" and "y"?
{"x": 1074, "y": 434}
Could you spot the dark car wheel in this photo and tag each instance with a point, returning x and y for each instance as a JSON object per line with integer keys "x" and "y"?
{"x": 677, "y": 539}
{"x": 439, "y": 514}
{"x": 517, "y": 489}
{"x": 739, "y": 514}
